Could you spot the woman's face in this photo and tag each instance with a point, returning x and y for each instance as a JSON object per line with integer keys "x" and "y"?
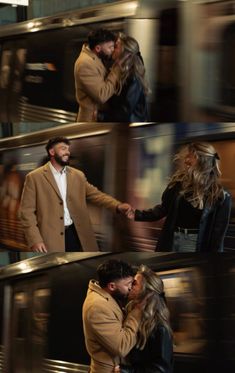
{"x": 118, "y": 49}
{"x": 137, "y": 287}
{"x": 190, "y": 160}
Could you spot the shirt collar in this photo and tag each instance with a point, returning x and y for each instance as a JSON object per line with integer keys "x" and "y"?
{"x": 55, "y": 171}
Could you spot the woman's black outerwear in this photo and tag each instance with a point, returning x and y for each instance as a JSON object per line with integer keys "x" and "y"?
{"x": 130, "y": 105}
{"x": 212, "y": 227}
{"x": 157, "y": 355}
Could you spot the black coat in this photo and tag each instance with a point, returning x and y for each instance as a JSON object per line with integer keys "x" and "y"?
{"x": 157, "y": 355}
{"x": 129, "y": 106}
{"x": 212, "y": 227}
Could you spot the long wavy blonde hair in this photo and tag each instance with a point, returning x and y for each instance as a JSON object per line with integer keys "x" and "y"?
{"x": 155, "y": 310}
{"x": 133, "y": 64}
{"x": 200, "y": 182}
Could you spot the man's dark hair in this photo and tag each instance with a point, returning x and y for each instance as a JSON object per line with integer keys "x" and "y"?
{"x": 112, "y": 270}
{"x": 54, "y": 141}
{"x": 99, "y": 36}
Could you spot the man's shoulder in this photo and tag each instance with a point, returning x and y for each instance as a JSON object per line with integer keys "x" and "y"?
{"x": 86, "y": 55}
{"x": 38, "y": 171}
{"x": 88, "y": 60}
{"x": 98, "y": 297}
{"x": 75, "y": 172}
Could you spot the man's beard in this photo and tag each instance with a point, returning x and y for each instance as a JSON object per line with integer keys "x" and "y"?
{"x": 60, "y": 161}
{"x": 120, "y": 297}
{"x": 106, "y": 59}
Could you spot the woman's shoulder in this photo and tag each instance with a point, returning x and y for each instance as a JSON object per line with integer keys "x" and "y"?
{"x": 162, "y": 337}
{"x": 133, "y": 80}
{"x": 225, "y": 195}
{"x": 162, "y": 330}
{"x": 172, "y": 189}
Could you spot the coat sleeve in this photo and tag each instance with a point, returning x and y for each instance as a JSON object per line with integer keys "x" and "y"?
{"x": 157, "y": 212}
{"x": 27, "y": 212}
{"x": 94, "y": 195}
{"x": 93, "y": 83}
{"x": 154, "y": 214}
{"x": 116, "y": 338}
{"x": 220, "y": 224}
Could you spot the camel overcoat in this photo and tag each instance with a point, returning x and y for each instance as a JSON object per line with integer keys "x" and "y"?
{"x": 108, "y": 337}
{"x": 93, "y": 85}
{"x": 41, "y": 210}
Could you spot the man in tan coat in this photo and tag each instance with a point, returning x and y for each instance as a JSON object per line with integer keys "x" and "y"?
{"x": 108, "y": 337}
{"x": 53, "y": 208}
{"x": 94, "y": 85}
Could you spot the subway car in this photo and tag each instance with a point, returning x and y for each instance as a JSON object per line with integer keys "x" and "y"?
{"x": 187, "y": 47}
{"x": 130, "y": 162}
{"x": 41, "y": 304}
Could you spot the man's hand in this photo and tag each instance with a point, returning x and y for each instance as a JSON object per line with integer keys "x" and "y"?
{"x": 127, "y": 210}
{"x": 131, "y": 214}
{"x": 39, "y": 247}
{"x": 124, "y": 208}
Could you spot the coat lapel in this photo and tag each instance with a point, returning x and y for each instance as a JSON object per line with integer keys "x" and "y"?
{"x": 50, "y": 178}
{"x": 69, "y": 182}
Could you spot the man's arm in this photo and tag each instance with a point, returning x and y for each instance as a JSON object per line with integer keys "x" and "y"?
{"x": 94, "y": 85}
{"x": 118, "y": 339}
{"x": 94, "y": 195}
{"x": 28, "y": 217}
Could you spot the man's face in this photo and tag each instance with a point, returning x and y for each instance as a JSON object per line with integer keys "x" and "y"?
{"x": 137, "y": 287}
{"x": 61, "y": 153}
{"x": 122, "y": 288}
{"x": 104, "y": 50}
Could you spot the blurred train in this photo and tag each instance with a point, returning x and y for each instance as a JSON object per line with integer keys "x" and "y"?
{"x": 41, "y": 300}
{"x": 187, "y": 48}
{"x": 130, "y": 162}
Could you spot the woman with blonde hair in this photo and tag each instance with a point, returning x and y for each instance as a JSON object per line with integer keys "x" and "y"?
{"x": 153, "y": 352}
{"x": 195, "y": 206}
{"x": 129, "y": 103}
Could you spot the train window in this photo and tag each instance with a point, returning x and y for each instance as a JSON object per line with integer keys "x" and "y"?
{"x": 227, "y": 66}
{"x": 44, "y": 68}
{"x": 12, "y": 66}
{"x": 72, "y": 52}
{"x": 20, "y": 307}
{"x": 184, "y": 292}
{"x": 167, "y": 81}
{"x": 5, "y": 68}
{"x": 40, "y": 315}
{"x": 30, "y": 314}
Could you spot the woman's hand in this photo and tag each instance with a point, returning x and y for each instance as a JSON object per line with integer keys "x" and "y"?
{"x": 117, "y": 369}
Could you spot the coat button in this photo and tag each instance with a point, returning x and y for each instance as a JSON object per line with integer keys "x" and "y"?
{"x": 61, "y": 217}
{"x": 61, "y": 203}
{"x": 62, "y": 233}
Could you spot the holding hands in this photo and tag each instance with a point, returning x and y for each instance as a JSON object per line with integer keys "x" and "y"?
{"x": 127, "y": 210}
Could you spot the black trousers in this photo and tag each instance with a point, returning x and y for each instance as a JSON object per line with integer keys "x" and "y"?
{"x": 72, "y": 242}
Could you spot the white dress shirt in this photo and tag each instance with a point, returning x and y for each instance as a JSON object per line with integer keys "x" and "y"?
{"x": 61, "y": 181}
